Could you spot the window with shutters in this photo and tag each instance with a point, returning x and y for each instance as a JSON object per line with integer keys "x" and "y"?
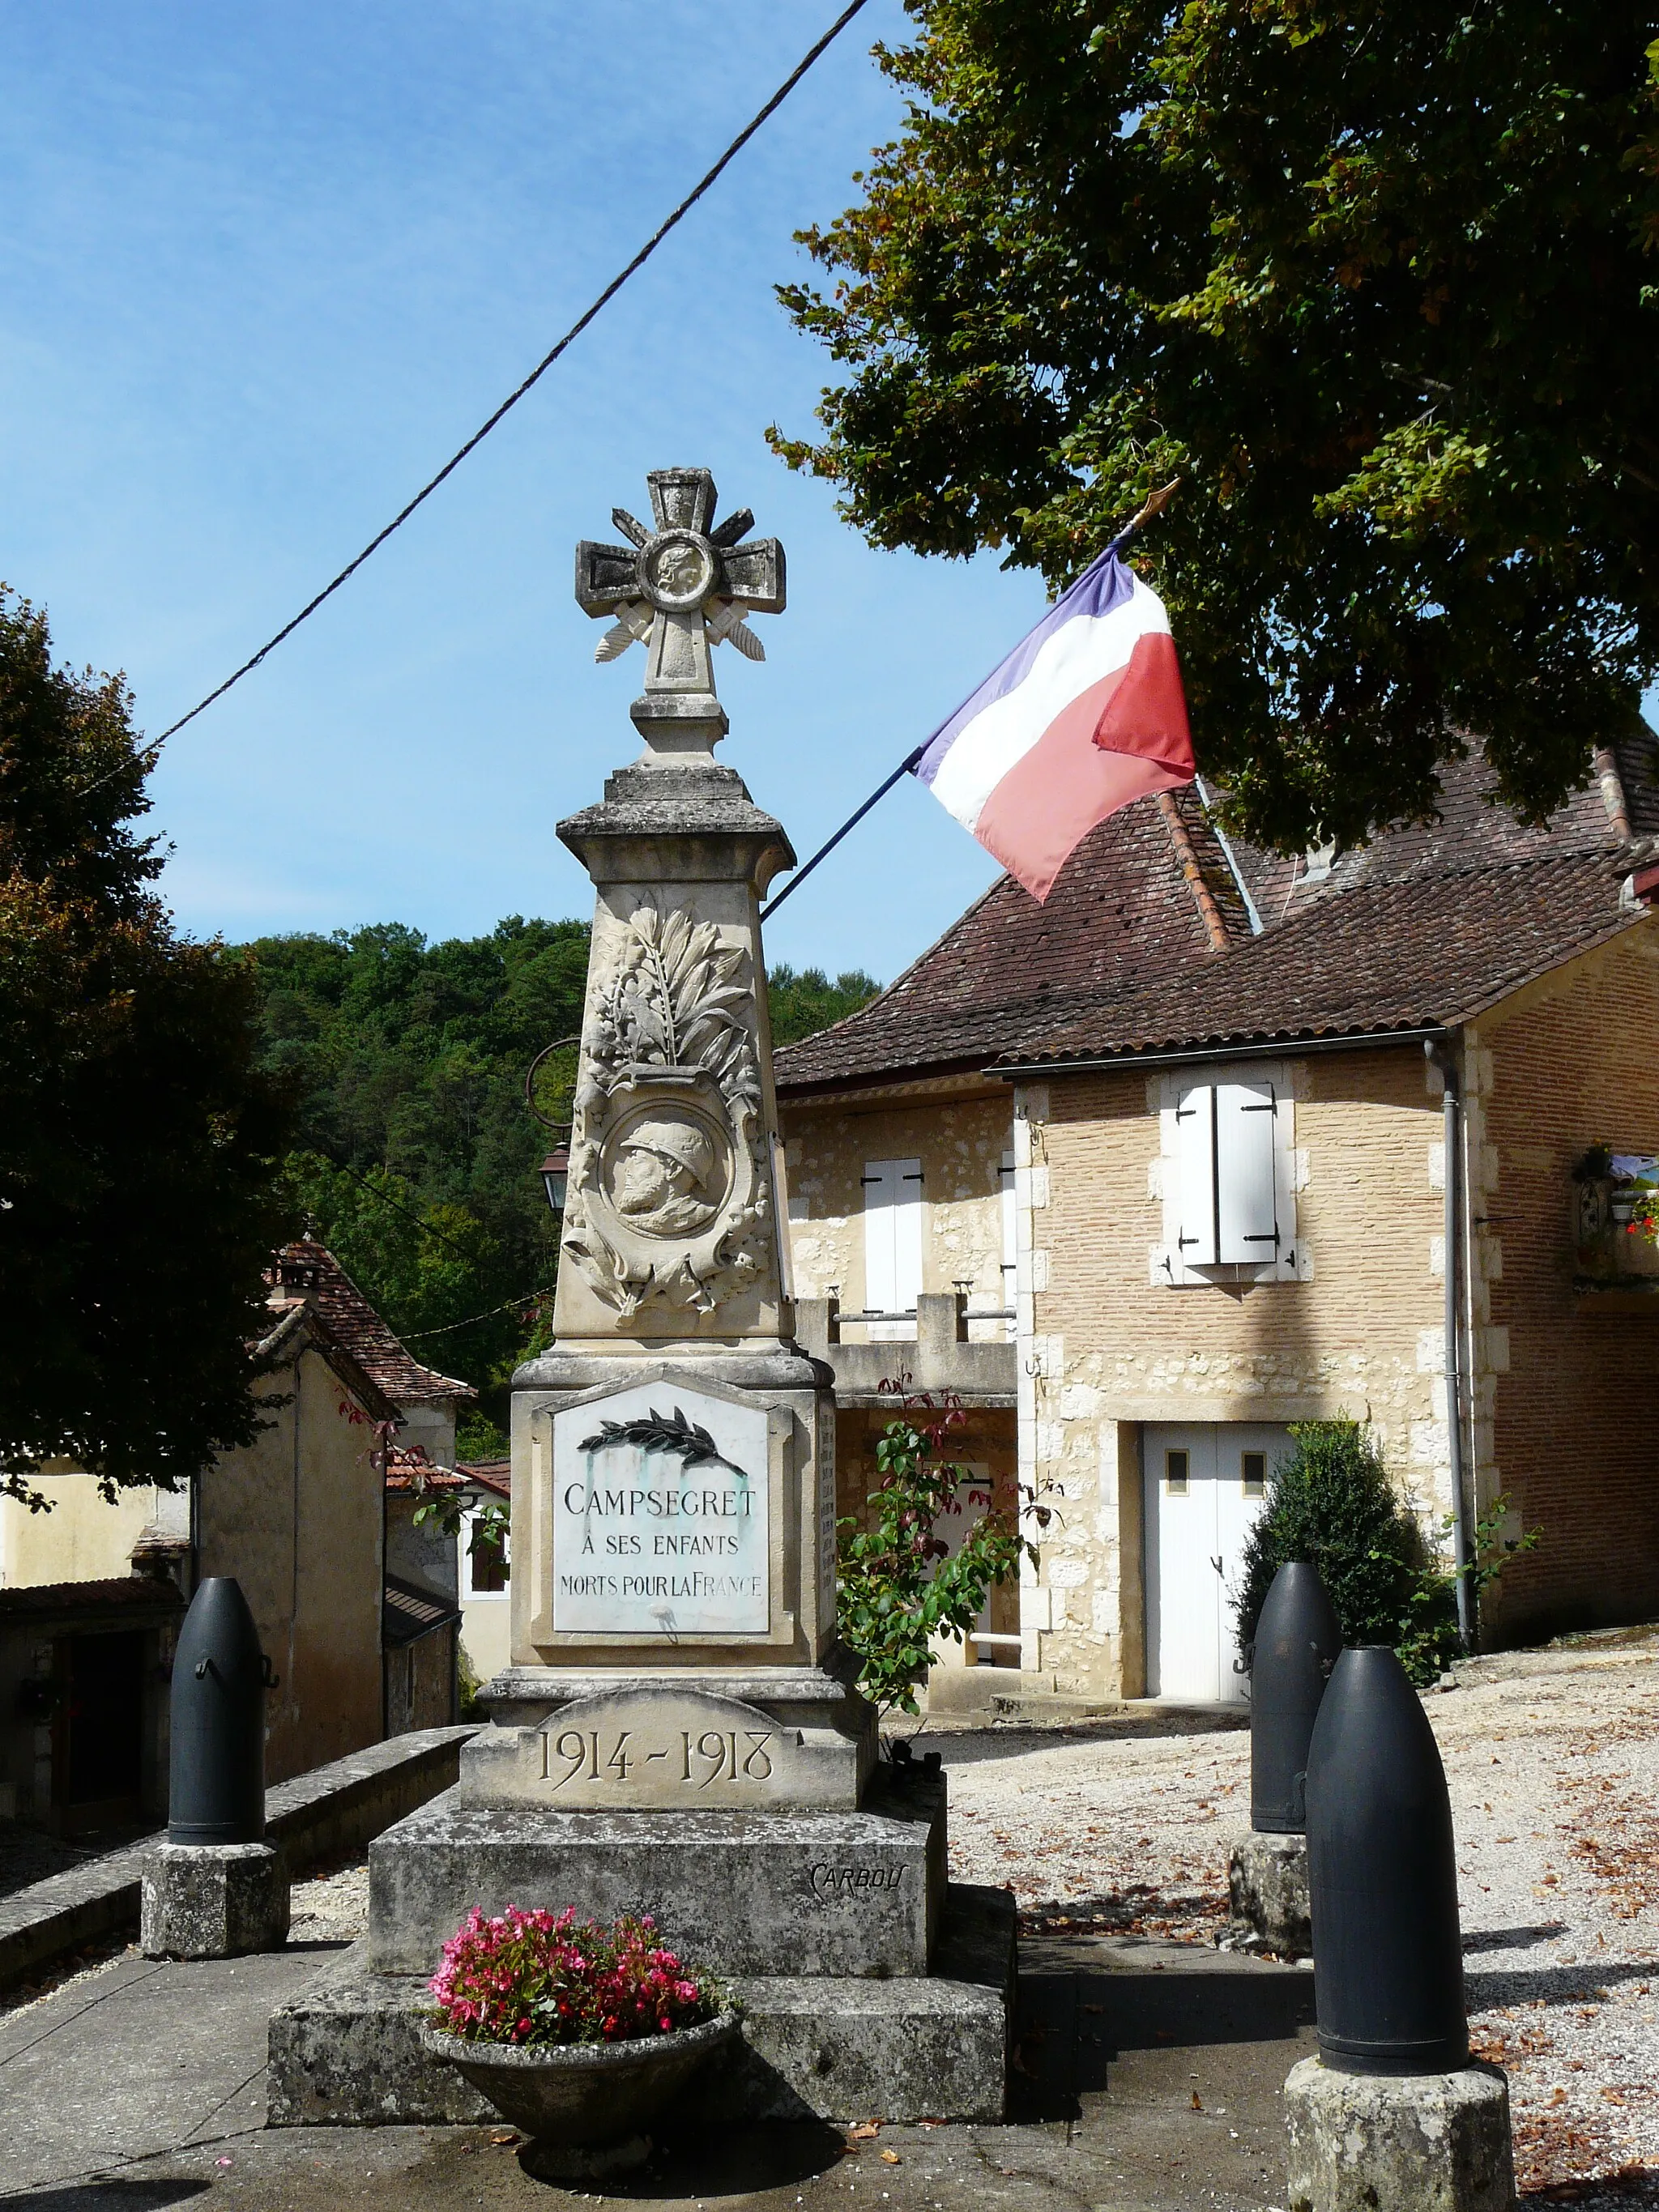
{"x": 486, "y": 1572}
{"x": 1228, "y": 1181}
{"x": 892, "y": 1248}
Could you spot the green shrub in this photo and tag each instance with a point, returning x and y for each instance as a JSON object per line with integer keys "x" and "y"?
{"x": 1332, "y": 1503}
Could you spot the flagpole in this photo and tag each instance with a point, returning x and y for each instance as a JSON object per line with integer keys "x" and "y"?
{"x": 1156, "y": 503}
{"x": 851, "y": 822}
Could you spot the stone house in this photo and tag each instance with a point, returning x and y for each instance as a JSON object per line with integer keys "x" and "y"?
{"x": 1150, "y": 1172}
{"x": 298, "y": 1516}
{"x": 485, "y": 1570}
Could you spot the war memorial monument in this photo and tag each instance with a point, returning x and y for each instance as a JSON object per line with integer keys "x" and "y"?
{"x": 679, "y": 1732}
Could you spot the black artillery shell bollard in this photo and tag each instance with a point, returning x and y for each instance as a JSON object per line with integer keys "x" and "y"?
{"x": 216, "y": 1772}
{"x": 1297, "y": 1645}
{"x": 1382, "y": 1874}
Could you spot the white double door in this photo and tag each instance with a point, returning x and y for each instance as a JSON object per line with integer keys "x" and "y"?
{"x": 1204, "y": 1484}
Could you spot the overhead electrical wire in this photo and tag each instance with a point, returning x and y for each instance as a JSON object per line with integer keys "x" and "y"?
{"x": 448, "y": 1328}
{"x": 148, "y": 753}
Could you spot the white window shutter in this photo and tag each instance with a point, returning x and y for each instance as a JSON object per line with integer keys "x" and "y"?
{"x": 1193, "y": 1178}
{"x": 892, "y": 1240}
{"x": 1246, "y": 1213}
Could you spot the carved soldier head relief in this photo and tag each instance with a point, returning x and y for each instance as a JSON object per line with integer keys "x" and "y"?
{"x": 667, "y": 1173}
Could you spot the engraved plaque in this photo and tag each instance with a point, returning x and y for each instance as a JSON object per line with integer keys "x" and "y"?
{"x": 662, "y": 1515}
{"x": 665, "y": 1749}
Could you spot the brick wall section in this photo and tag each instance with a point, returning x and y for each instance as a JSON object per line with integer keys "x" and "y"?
{"x": 1567, "y": 1404}
{"x": 1362, "y": 1338}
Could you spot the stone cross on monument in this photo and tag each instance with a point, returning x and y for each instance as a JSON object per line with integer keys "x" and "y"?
{"x": 675, "y": 587}
{"x": 679, "y": 1731}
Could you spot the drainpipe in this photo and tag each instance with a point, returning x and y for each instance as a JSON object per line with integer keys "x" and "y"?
{"x": 1442, "y": 1055}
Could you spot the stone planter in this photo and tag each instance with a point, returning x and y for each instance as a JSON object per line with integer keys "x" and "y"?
{"x": 587, "y": 2105}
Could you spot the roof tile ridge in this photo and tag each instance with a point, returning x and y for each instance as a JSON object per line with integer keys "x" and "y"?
{"x": 335, "y": 1353}
{"x": 1192, "y": 870}
{"x": 1615, "y": 798}
{"x": 452, "y": 1382}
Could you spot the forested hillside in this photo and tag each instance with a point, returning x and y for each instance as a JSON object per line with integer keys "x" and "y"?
{"x": 420, "y": 1158}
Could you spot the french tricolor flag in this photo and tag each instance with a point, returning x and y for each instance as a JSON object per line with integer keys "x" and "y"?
{"x": 1086, "y": 715}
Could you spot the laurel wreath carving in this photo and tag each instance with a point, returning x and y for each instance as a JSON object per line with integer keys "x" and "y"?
{"x": 656, "y": 1431}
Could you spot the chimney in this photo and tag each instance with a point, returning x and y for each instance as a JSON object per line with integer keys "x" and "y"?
{"x": 294, "y": 1277}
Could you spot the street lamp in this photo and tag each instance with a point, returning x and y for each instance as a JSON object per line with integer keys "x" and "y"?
{"x": 556, "y": 1175}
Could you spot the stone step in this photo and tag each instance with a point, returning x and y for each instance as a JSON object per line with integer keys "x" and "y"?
{"x": 344, "y": 2051}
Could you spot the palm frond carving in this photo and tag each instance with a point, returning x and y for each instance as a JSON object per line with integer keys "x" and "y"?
{"x": 664, "y": 1432}
{"x": 683, "y": 1000}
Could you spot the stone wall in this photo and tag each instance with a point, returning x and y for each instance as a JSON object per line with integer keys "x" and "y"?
{"x": 1105, "y": 1347}
{"x": 316, "y": 1818}
{"x": 960, "y": 1142}
{"x": 296, "y": 1517}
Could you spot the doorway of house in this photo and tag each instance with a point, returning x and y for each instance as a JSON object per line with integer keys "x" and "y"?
{"x": 98, "y": 1758}
{"x": 1205, "y": 1483}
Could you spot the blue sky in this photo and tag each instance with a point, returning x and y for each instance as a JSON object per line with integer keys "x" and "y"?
{"x": 264, "y": 266}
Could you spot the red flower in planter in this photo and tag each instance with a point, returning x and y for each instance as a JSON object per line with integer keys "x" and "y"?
{"x": 533, "y": 1978}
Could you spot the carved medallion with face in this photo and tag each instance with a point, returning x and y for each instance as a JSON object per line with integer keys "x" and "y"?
{"x": 678, "y": 571}
{"x": 664, "y": 1176}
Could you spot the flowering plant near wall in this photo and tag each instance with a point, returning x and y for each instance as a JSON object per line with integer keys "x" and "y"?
{"x": 528, "y": 1977}
{"x": 899, "y": 1585}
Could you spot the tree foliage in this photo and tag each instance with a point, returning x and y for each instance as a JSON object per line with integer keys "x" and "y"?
{"x": 899, "y": 1586}
{"x": 418, "y": 1160}
{"x": 804, "y": 1000}
{"x": 1375, "y": 278}
{"x": 139, "y": 1140}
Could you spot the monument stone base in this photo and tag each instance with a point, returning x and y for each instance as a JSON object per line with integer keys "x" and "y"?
{"x": 1267, "y": 1885}
{"x": 346, "y": 2051}
{"x": 212, "y": 1900}
{"x": 737, "y": 1892}
{"x": 1436, "y": 2143}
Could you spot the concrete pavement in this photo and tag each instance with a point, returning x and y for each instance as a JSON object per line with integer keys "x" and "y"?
{"x": 1147, "y": 2078}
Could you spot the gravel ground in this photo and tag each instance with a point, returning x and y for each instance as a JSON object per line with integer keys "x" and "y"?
{"x": 330, "y": 1905}
{"x": 1552, "y": 1760}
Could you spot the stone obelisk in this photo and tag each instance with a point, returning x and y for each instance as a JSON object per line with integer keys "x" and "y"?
{"x": 673, "y": 1501}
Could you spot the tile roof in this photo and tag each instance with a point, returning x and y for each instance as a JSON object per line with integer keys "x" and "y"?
{"x": 494, "y": 1474}
{"x": 1424, "y": 928}
{"x": 125, "y": 1596}
{"x": 408, "y": 1468}
{"x": 312, "y": 1269}
{"x": 1429, "y": 952}
{"x": 409, "y": 1612}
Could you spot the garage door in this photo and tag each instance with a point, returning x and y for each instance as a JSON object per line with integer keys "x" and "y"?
{"x": 1204, "y": 1487}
